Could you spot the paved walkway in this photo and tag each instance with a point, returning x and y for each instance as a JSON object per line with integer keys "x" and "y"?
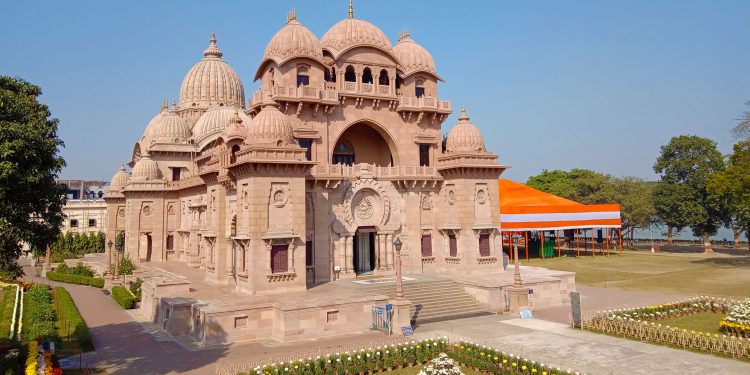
{"x": 124, "y": 346}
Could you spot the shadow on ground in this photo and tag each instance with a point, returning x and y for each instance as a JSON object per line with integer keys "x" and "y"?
{"x": 691, "y": 249}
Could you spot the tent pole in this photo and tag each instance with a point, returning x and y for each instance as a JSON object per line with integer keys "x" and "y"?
{"x": 557, "y": 240}
{"x": 578, "y": 245}
{"x": 541, "y": 237}
{"x": 606, "y": 240}
{"x": 619, "y": 235}
{"x": 526, "y": 233}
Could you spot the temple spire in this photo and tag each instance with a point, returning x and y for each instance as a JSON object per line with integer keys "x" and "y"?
{"x": 212, "y": 50}
{"x": 351, "y": 9}
{"x": 292, "y": 16}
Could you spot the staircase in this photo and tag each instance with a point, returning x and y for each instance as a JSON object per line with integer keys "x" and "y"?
{"x": 434, "y": 301}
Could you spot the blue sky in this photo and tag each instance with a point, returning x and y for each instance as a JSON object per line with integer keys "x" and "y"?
{"x": 551, "y": 84}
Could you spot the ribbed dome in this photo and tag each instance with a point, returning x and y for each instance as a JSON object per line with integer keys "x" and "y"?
{"x": 271, "y": 126}
{"x": 210, "y": 125}
{"x": 351, "y": 33}
{"x": 120, "y": 179}
{"x": 235, "y": 129}
{"x": 293, "y": 40}
{"x": 145, "y": 169}
{"x": 211, "y": 81}
{"x": 464, "y": 137}
{"x": 172, "y": 128}
{"x": 413, "y": 57}
{"x": 154, "y": 123}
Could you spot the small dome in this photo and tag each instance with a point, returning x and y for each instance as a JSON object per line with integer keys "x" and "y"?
{"x": 211, "y": 124}
{"x": 154, "y": 123}
{"x": 412, "y": 56}
{"x": 351, "y": 33}
{"x": 172, "y": 128}
{"x": 235, "y": 129}
{"x": 120, "y": 179}
{"x": 293, "y": 40}
{"x": 464, "y": 137}
{"x": 211, "y": 81}
{"x": 271, "y": 126}
{"x": 145, "y": 169}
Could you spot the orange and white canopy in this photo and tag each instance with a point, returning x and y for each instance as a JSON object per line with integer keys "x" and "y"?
{"x": 523, "y": 208}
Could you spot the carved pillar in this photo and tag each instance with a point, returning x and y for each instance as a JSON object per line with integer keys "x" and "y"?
{"x": 342, "y": 254}
{"x": 375, "y": 82}
{"x": 389, "y": 250}
{"x": 349, "y": 256}
{"x": 377, "y": 251}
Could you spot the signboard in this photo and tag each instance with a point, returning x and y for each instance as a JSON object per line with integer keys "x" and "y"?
{"x": 575, "y": 309}
{"x": 388, "y": 307}
{"x": 525, "y": 314}
{"x": 381, "y": 319}
{"x": 407, "y": 331}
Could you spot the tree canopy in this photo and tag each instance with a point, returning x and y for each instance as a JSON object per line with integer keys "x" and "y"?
{"x": 30, "y": 199}
{"x": 742, "y": 129}
{"x": 733, "y": 186}
{"x": 681, "y": 196}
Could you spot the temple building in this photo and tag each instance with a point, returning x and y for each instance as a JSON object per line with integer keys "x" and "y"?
{"x": 313, "y": 177}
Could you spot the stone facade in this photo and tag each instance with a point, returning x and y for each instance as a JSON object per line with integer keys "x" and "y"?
{"x": 313, "y": 178}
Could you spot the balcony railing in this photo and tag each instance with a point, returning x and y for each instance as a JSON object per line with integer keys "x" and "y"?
{"x": 342, "y": 171}
{"x": 407, "y": 103}
{"x": 289, "y": 93}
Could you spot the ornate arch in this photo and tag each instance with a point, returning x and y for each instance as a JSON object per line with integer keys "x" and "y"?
{"x": 387, "y": 136}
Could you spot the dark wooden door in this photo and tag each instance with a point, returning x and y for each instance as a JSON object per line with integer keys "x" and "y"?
{"x": 453, "y": 245}
{"x": 426, "y": 245}
{"x": 484, "y": 245}
{"x": 279, "y": 256}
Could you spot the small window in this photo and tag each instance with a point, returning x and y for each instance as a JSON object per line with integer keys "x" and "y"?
{"x": 367, "y": 76}
{"x": 309, "y": 253}
{"x": 170, "y": 242}
{"x": 303, "y": 77}
{"x": 419, "y": 88}
{"x": 307, "y": 145}
{"x": 279, "y": 254}
{"x": 100, "y": 194}
{"x": 452, "y": 245}
{"x": 349, "y": 74}
{"x": 176, "y": 173}
{"x": 74, "y": 223}
{"x": 343, "y": 154}
{"x": 383, "y": 78}
{"x": 235, "y": 150}
{"x": 484, "y": 245}
{"x": 424, "y": 155}
{"x": 426, "y": 245}
{"x": 92, "y": 223}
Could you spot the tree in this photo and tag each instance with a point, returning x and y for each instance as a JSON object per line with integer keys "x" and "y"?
{"x": 742, "y": 129}
{"x": 636, "y": 198}
{"x": 31, "y": 200}
{"x": 681, "y": 197}
{"x": 733, "y": 186}
{"x": 580, "y": 185}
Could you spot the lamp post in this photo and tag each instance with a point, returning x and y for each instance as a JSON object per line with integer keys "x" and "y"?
{"x": 109, "y": 246}
{"x": 399, "y": 282}
{"x": 517, "y": 267}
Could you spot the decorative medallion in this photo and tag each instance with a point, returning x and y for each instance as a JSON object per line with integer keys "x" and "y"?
{"x": 121, "y": 213}
{"x": 364, "y": 207}
{"x": 146, "y": 210}
{"x": 170, "y": 209}
{"x": 451, "y": 197}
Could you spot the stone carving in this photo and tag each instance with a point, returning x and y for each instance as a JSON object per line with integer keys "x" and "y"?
{"x": 426, "y": 202}
{"x": 170, "y": 209}
{"x": 451, "y": 197}
{"x": 364, "y": 207}
{"x": 366, "y": 202}
{"x": 279, "y": 198}
{"x": 146, "y": 210}
{"x": 481, "y": 196}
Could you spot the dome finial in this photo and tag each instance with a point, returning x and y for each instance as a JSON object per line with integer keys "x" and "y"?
{"x": 164, "y": 105}
{"x": 236, "y": 118}
{"x": 213, "y": 50}
{"x": 292, "y": 16}
{"x": 403, "y": 34}
{"x": 351, "y": 9}
{"x": 463, "y": 116}
{"x": 174, "y": 105}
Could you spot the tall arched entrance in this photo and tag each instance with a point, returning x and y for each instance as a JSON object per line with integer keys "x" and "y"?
{"x": 364, "y": 142}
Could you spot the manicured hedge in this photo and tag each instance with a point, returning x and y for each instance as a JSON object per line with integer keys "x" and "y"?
{"x": 39, "y": 314}
{"x": 76, "y": 279}
{"x": 74, "y": 324}
{"x": 123, "y": 297}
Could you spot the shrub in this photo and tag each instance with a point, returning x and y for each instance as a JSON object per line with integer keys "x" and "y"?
{"x": 80, "y": 269}
{"x": 123, "y": 297}
{"x": 135, "y": 288}
{"x": 75, "y": 324}
{"x": 97, "y": 282}
{"x": 39, "y": 314}
{"x": 126, "y": 266}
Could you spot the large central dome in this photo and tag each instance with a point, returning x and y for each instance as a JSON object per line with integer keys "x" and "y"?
{"x": 351, "y": 33}
{"x": 211, "y": 82}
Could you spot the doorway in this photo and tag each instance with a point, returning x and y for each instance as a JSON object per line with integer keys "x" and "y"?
{"x": 364, "y": 250}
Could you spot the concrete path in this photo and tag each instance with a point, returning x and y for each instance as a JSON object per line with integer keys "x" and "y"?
{"x": 557, "y": 345}
{"x": 124, "y": 346}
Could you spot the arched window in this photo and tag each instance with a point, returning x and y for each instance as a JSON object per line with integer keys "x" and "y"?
{"x": 419, "y": 88}
{"x": 399, "y": 81}
{"x": 343, "y": 153}
{"x": 270, "y": 77}
{"x": 170, "y": 242}
{"x": 367, "y": 76}
{"x": 349, "y": 75}
{"x": 383, "y": 79}
{"x": 303, "y": 77}
{"x": 101, "y": 194}
{"x": 329, "y": 74}
{"x": 235, "y": 150}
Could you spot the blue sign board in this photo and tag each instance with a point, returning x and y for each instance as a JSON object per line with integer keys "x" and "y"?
{"x": 525, "y": 314}
{"x": 388, "y": 307}
{"x": 407, "y": 331}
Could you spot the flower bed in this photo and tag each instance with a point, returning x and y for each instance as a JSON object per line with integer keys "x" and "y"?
{"x": 39, "y": 317}
{"x": 481, "y": 358}
{"x": 97, "y": 282}
{"x": 642, "y": 323}
{"x": 123, "y": 297}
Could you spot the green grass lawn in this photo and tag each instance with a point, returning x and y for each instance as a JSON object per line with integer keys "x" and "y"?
{"x": 702, "y": 322}
{"x": 686, "y": 274}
